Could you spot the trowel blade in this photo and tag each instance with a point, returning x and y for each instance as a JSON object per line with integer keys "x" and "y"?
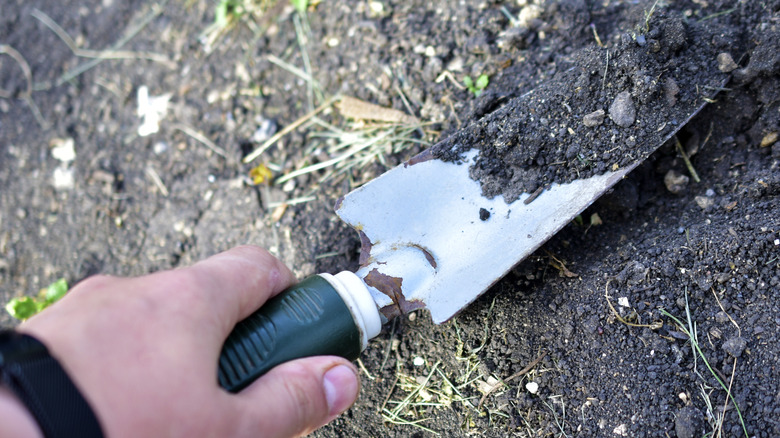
{"x": 431, "y": 239}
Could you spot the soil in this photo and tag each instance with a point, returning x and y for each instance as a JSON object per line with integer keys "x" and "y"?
{"x": 591, "y": 302}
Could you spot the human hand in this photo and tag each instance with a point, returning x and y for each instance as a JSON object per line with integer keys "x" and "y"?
{"x": 143, "y": 351}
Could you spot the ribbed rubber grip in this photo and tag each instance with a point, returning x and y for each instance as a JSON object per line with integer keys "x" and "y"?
{"x": 308, "y": 319}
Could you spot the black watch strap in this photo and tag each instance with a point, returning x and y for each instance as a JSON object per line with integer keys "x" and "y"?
{"x": 30, "y": 372}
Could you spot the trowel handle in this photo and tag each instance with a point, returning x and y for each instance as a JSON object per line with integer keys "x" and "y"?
{"x": 322, "y": 315}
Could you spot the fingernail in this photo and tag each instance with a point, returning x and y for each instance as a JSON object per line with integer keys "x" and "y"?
{"x": 341, "y": 388}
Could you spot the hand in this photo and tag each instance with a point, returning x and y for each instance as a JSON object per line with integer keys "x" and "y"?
{"x": 143, "y": 352}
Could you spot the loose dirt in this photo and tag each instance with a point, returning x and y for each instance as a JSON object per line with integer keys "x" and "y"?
{"x": 594, "y": 301}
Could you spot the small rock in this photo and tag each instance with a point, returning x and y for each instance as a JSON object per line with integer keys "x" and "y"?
{"x": 675, "y": 182}
{"x": 769, "y": 139}
{"x": 63, "y": 149}
{"x": 160, "y": 147}
{"x": 532, "y": 387}
{"x": 689, "y": 423}
{"x": 265, "y": 130}
{"x": 594, "y": 119}
{"x": 721, "y": 317}
{"x": 704, "y": 202}
{"x": 735, "y": 346}
{"x": 622, "y": 110}
{"x": 671, "y": 90}
{"x": 726, "y": 63}
{"x": 484, "y": 214}
{"x": 62, "y": 178}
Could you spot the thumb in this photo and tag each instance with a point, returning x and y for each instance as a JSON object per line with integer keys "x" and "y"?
{"x": 297, "y": 397}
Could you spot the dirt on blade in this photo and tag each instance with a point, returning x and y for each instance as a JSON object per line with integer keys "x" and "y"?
{"x": 604, "y": 108}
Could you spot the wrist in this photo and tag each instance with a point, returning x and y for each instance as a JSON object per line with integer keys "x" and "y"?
{"x": 15, "y": 419}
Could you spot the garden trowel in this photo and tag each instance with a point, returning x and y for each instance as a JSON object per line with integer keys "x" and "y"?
{"x": 429, "y": 238}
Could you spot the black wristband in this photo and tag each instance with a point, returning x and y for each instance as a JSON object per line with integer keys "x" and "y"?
{"x": 30, "y": 372}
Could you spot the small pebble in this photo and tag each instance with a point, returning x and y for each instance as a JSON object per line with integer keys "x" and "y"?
{"x": 62, "y": 178}
{"x": 418, "y": 361}
{"x": 675, "y": 181}
{"x": 709, "y": 193}
{"x": 769, "y": 139}
{"x": 594, "y": 119}
{"x": 735, "y": 346}
{"x": 63, "y": 149}
{"x": 484, "y": 214}
{"x": 704, "y": 202}
{"x": 689, "y": 423}
{"x": 622, "y": 110}
{"x": 532, "y": 387}
{"x": 160, "y": 147}
{"x": 726, "y": 63}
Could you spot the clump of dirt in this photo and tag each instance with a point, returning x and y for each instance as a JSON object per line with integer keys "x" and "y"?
{"x": 655, "y": 78}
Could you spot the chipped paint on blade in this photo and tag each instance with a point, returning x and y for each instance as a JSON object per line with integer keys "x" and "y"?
{"x": 424, "y": 235}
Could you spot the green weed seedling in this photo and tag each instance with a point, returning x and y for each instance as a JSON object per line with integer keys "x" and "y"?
{"x": 300, "y": 5}
{"x": 25, "y": 307}
{"x": 477, "y": 86}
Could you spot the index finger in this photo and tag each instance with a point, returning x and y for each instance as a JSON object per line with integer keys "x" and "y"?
{"x": 235, "y": 283}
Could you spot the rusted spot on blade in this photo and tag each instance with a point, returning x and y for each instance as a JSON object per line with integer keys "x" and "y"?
{"x": 391, "y": 286}
{"x": 365, "y": 248}
{"x": 427, "y": 254}
{"x": 422, "y": 157}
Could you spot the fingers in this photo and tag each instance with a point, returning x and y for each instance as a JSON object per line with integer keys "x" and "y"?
{"x": 307, "y": 393}
{"x": 235, "y": 283}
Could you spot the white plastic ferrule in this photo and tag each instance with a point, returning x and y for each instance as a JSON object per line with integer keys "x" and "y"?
{"x": 358, "y": 299}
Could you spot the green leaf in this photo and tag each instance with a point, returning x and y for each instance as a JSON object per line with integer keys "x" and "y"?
{"x": 469, "y": 83}
{"x": 482, "y": 82}
{"x": 56, "y": 290}
{"x": 300, "y": 5}
{"x": 221, "y": 19}
{"x": 22, "y": 307}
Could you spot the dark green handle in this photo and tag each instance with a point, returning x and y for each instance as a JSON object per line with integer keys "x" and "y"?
{"x": 308, "y": 319}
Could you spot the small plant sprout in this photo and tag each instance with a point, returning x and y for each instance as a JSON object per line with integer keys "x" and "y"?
{"x": 689, "y": 330}
{"x": 25, "y": 307}
{"x": 260, "y": 174}
{"x": 300, "y": 5}
{"x": 477, "y": 86}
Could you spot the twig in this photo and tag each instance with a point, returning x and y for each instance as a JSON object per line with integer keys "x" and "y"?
{"x": 202, "y": 138}
{"x": 513, "y": 376}
{"x": 156, "y": 11}
{"x": 390, "y": 393}
{"x": 697, "y": 350}
{"x": 26, "y": 96}
{"x": 155, "y": 177}
{"x": 98, "y": 54}
{"x": 365, "y": 371}
{"x": 688, "y": 164}
{"x": 739, "y": 333}
{"x": 287, "y": 129}
{"x": 596, "y": 35}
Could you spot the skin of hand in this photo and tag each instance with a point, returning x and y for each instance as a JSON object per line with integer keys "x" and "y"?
{"x": 143, "y": 351}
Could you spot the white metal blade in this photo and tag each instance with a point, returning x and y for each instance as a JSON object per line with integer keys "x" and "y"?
{"x": 425, "y": 245}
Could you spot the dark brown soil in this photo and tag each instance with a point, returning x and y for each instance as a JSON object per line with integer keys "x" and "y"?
{"x": 638, "y": 92}
{"x": 590, "y": 300}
